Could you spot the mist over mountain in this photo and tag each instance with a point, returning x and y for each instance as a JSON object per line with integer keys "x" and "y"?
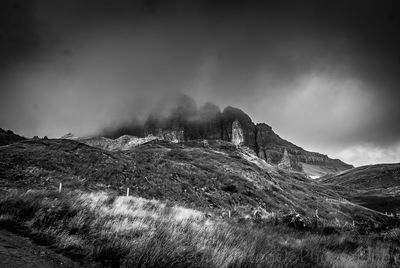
{"x": 321, "y": 75}
{"x": 184, "y": 120}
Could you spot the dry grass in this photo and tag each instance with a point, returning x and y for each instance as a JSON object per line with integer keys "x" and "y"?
{"x": 136, "y": 232}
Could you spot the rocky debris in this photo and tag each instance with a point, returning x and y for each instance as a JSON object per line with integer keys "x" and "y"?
{"x": 125, "y": 142}
{"x": 174, "y": 136}
{"x": 237, "y": 133}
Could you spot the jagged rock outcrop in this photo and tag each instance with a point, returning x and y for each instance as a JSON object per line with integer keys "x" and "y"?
{"x": 237, "y": 133}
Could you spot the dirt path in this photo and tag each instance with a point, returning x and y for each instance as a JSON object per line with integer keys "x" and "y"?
{"x": 17, "y": 251}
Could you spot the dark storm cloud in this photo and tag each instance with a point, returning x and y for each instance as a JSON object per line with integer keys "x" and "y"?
{"x": 324, "y": 74}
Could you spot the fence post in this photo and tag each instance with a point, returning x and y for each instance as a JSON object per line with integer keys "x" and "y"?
{"x": 60, "y": 187}
{"x": 127, "y": 191}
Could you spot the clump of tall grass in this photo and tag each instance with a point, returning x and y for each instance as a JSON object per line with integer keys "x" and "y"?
{"x": 135, "y": 232}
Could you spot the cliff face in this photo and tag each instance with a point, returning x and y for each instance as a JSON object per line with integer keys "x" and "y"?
{"x": 230, "y": 115}
{"x": 188, "y": 122}
{"x": 272, "y": 147}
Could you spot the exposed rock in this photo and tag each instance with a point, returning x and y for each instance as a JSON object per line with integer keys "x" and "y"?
{"x": 174, "y": 136}
{"x": 272, "y": 147}
{"x": 69, "y": 136}
{"x": 125, "y": 142}
{"x": 285, "y": 161}
{"x": 229, "y": 115}
{"x": 237, "y": 133}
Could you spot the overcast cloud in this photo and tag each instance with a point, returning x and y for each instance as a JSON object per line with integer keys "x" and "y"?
{"x": 323, "y": 74}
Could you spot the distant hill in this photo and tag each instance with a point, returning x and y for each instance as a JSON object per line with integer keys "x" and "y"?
{"x": 371, "y": 177}
{"x": 210, "y": 175}
{"x": 374, "y": 186}
{"x": 8, "y": 137}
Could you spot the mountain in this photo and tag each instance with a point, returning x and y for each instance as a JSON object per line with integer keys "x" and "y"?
{"x": 8, "y": 137}
{"x": 187, "y": 122}
{"x": 212, "y": 175}
{"x": 373, "y": 186}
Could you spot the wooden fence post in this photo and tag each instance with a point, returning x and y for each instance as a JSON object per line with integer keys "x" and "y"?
{"x": 127, "y": 191}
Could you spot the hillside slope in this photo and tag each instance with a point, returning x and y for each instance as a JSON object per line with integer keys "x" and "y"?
{"x": 374, "y": 186}
{"x": 211, "y": 176}
{"x": 8, "y": 137}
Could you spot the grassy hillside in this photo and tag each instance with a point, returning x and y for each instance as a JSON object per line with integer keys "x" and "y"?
{"x": 212, "y": 176}
{"x": 375, "y": 186}
{"x": 368, "y": 177}
{"x": 192, "y": 204}
{"x": 135, "y": 232}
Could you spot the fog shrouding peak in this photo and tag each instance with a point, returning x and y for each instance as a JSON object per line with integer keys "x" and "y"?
{"x": 324, "y": 74}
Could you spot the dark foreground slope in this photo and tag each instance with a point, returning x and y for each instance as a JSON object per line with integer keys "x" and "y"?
{"x": 374, "y": 186}
{"x": 8, "y": 137}
{"x": 212, "y": 176}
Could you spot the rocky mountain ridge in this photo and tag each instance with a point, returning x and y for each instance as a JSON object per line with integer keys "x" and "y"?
{"x": 188, "y": 122}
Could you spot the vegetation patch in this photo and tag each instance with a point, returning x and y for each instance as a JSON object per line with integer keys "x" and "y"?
{"x": 119, "y": 231}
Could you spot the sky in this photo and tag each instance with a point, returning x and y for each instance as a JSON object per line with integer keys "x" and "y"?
{"x": 323, "y": 74}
